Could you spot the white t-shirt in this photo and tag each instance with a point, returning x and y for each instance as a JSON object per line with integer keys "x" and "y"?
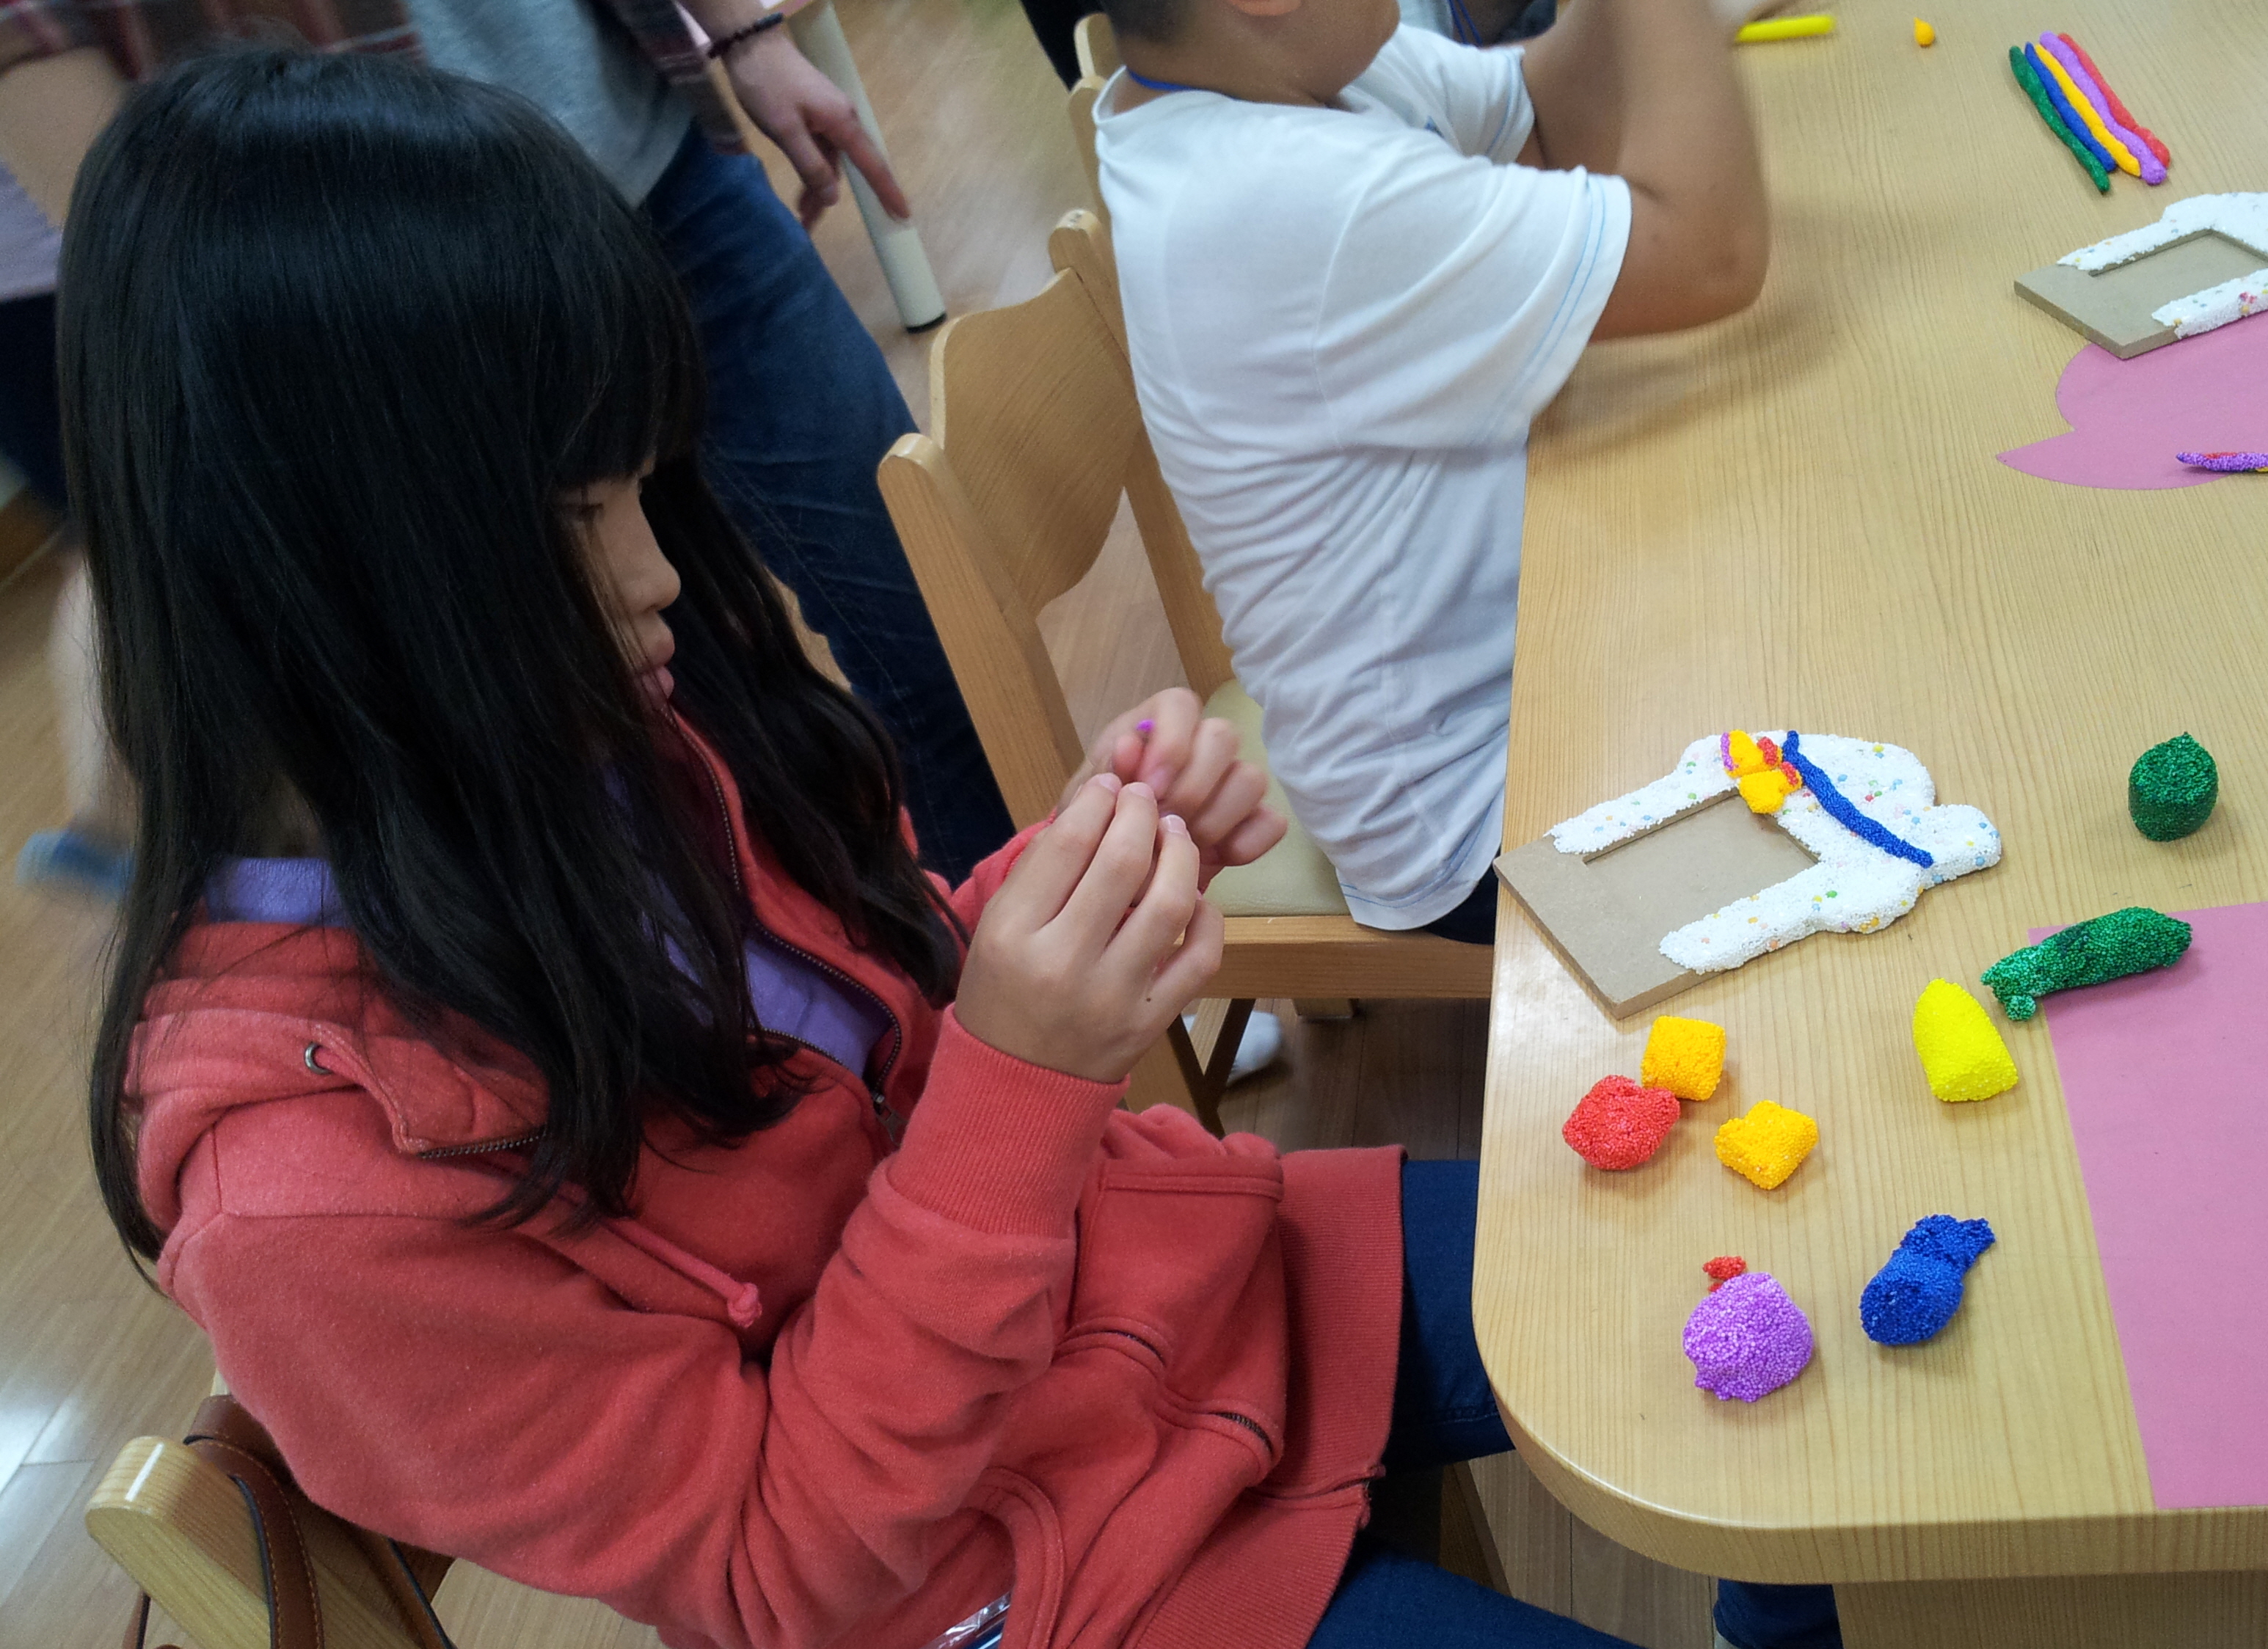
{"x": 1342, "y": 321}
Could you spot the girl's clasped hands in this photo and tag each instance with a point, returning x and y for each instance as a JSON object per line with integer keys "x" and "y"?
{"x": 1100, "y": 936}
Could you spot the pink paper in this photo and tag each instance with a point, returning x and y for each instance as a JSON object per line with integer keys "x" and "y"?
{"x": 2165, "y": 1075}
{"x": 2128, "y": 418}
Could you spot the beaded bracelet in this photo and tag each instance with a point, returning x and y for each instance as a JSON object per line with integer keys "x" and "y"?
{"x": 720, "y": 48}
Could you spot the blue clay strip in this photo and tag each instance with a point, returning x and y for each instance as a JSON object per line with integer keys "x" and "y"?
{"x": 2071, "y": 116}
{"x": 1841, "y": 809}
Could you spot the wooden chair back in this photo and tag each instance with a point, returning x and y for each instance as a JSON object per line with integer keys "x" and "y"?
{"x": 179, "y": 1525}
{"x": 1038, "y": 437}
{"x": 1083, "y": 98}
{"x": 1098, "y": 61}
{"x": 1097, "y": 46}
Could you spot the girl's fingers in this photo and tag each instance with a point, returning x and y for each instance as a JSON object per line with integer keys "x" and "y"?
{"x": 1262, "y": 830}
{"x": 1186, "y": 972}
{"x": 1113, "y": 878}
{"x": 1231, "y": 800}
{"x": 1124, "y": 755}
{"x": 1158, "y": 919}
{"x": 1173, "y": 719}
{"x": 1214, "y": 752}
{"x": 1050, "y": 868}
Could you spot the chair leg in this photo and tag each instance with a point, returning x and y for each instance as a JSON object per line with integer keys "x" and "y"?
{"x": 1323, "y": 1008}
{"x": 1208, "y": 1077}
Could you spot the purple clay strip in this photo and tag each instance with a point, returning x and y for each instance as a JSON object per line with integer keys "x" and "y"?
{"x": 2227, "y": 463}
{"x": 1841, "y": 809}
{"x": 2153, "y": 169}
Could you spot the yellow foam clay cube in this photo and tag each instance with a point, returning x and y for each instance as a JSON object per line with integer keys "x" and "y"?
{"x": 1767, "y": 1144}
{"x": 1686, "y": 1056}
{"x": 1961, "y": 1054}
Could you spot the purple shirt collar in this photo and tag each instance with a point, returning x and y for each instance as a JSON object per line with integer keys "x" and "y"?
{"x": 791, "y": 996}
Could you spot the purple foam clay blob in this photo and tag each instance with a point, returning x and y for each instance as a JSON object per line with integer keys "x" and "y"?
{"x": 2227, "y": 463}
{"x": 1748, "y": 1338}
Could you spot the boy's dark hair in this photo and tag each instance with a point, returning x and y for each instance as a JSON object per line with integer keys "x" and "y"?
{"x": 336, "y": 333}
{"x": 1156, "y": 21}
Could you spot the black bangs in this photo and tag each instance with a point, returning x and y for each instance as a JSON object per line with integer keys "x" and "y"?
{"x": 629, "y": 358}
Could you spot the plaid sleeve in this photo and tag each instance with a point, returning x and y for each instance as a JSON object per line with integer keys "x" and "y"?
{"x": 144, "y": 36}
{"x": 666, "y": 36}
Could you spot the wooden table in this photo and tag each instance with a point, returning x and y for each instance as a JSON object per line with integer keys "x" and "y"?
{"x": 1797, "y": 520}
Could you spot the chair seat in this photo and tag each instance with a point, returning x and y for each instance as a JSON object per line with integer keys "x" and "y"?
{"x": 1293, "y": 879}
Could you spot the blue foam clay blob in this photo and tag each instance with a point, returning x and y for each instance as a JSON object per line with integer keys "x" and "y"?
{"x": 1916, "y": 1293}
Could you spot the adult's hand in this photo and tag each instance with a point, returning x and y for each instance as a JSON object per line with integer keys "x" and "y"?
{"x": 813, "y": 121}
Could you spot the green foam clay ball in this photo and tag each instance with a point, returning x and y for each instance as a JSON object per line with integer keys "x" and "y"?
{"x": 2172, "y": 789}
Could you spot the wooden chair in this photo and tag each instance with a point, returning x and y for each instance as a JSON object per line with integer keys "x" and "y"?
{"x": 1098, "y": 61}
{"x": 175, "y": 1517}
{"x": 1097, "y": 48}
{"x": 1038, "y": 437}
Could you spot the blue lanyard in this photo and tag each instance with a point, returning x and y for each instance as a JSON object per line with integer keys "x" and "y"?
{"x": 1141, "y": 79}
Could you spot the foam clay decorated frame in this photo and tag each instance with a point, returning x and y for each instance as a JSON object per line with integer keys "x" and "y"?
{"x": 1646, "y": 893}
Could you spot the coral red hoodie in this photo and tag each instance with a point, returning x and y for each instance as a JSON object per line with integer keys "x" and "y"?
{"x": 819, "y": 1389}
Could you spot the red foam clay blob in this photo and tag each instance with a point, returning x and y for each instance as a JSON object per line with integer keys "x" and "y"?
{"x": 1723, "y": 1269}
{"x": 1619, "y": 1124}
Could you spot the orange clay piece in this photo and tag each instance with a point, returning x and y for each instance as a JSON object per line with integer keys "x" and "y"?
{"x": 1686, "y": 1056}
{"x": 1767, "y": 1144}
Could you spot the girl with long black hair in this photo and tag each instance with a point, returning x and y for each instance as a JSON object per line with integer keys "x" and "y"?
{"x": 535, "y": 1057}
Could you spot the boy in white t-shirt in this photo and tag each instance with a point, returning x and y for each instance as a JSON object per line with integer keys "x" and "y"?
{"x": 1356, "y": 261}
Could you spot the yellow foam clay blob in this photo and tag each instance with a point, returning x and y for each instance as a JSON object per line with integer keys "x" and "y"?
{"x": 1767, "y": 1144}
{"x": 1961, "y": 1054}
{"x": 1924, "y": 36}
{"x": 1764, "y": 792}
{"x": 1686, "y": 1056}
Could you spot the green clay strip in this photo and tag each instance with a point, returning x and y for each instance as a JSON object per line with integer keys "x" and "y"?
{"x": 2029, "y": 77}
{"x": 2130, "y": 941}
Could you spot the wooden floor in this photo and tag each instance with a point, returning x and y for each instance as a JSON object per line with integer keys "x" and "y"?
{"x": 91, "y": 1357}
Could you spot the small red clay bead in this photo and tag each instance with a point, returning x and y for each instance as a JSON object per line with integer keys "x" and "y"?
{"x": 1619, "y": 1124}
{"x": 1723, "y": 1269}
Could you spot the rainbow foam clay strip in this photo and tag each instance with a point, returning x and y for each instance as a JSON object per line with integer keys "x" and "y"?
{"x": 2029, "y": 77}
{"x": 2125, "y": 115}
{"x": 2070, "y": 116}
{"x": 2114, "y": 149}
{"x": 2089, "y": 98}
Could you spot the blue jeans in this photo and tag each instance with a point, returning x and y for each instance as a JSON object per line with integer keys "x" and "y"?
{"x": 801, "y": 408}
{"x": 1445, "y": 1411}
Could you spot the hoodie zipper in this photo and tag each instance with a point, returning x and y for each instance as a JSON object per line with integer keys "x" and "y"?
{"x": 733, "y": 864}
{"x": 1246, "y": 1421}
{"x": 481, "y": 1148}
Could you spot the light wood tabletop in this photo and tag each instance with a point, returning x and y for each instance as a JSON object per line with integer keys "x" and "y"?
{"x": 1797, "y": 520}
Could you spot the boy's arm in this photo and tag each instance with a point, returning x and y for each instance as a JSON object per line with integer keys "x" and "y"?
{"x": 1646, "y": 89}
